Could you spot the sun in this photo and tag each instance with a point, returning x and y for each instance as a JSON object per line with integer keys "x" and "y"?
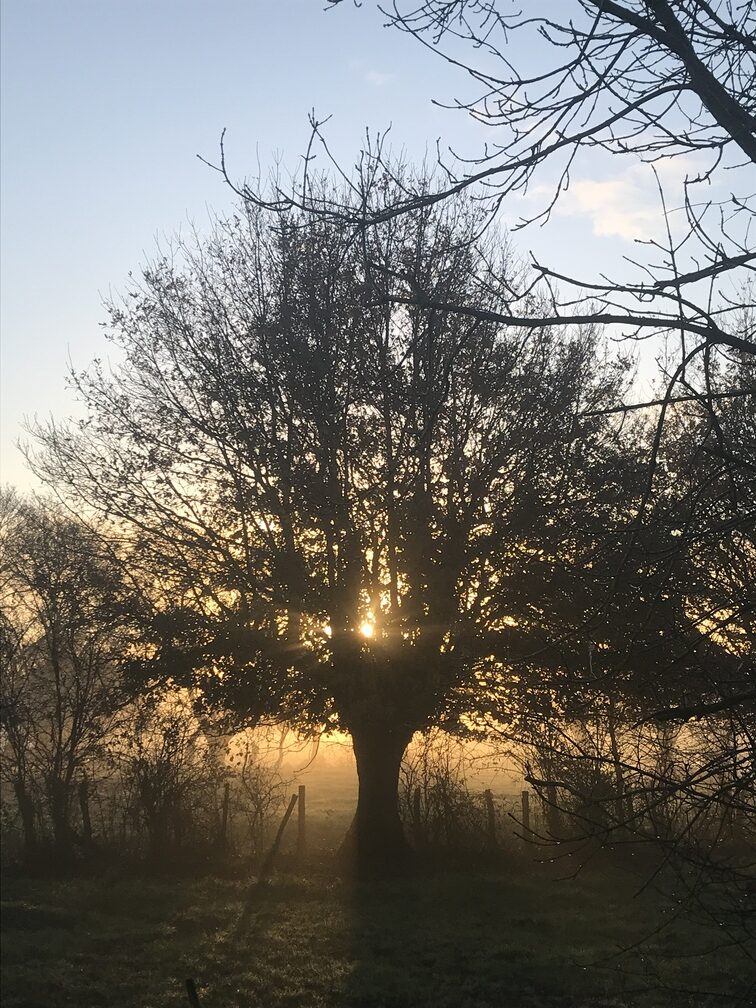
{"x": 367, "y": 629}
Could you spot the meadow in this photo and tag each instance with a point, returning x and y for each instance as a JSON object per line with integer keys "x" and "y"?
{"x": 505, "y": 932}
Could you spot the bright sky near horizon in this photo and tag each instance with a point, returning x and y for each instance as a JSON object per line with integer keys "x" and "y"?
{"x": 105, "y": 104}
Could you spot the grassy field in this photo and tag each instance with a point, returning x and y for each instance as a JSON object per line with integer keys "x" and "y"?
{"x": 513, "y": 936}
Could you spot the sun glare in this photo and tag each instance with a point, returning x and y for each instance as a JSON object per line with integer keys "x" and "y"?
{"x": 367, "y": 629}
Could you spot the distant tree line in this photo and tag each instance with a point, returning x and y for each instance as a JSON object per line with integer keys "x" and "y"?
{"x": 92, "y": 768}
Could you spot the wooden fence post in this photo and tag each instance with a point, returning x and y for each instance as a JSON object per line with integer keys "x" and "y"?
{"x": 265, "y": 869}
{"x": 267, "y": 865}
{"x": 490, "y": 820}
{"x": 301, "y": 822}
{"x": 526, "y": 812}
{"x": 224, "y": 816}
{"x": 418, "y": 827}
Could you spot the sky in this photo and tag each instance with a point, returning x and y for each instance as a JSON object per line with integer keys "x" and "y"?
{"x": 105, "y": 106}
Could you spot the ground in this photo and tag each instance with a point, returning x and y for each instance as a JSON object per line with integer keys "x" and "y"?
{"x": 509, "y": 935}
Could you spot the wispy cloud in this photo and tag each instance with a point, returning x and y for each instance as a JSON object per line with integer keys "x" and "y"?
{"x": 378, "y": 79}
{"x": 370, "y": 75}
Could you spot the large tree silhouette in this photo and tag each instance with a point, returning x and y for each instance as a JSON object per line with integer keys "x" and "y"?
{"x": 345, "y": 505}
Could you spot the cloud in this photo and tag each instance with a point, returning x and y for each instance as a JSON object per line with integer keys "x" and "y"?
{"x": 376, "y": 78}
{"x": 618, "y": 206}
{"x": 626, "y": 205}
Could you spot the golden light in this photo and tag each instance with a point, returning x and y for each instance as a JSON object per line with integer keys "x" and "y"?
{"x": 367, "y": 629}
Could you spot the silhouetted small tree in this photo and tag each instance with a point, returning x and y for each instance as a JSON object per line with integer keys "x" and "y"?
{"x": 66, "y": 630}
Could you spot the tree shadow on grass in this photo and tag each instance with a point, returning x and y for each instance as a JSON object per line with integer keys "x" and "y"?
{"x": 453, "y": 939}
{"x": 523, "y": 935}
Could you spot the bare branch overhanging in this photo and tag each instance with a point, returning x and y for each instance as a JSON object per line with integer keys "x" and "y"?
{"x": 648, "y": 78}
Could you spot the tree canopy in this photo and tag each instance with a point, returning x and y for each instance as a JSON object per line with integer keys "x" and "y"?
{"x": 345, "y": 504}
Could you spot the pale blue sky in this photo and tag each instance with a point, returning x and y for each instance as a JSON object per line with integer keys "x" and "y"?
{"x": 105, "y": 104}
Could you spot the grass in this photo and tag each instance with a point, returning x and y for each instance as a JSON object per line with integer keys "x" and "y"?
{"x": 512, "y": 936}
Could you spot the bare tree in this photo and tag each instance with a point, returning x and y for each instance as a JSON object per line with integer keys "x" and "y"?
{"x": 17, "y": 726}
{"x": 647, "y": 79}
{"x": 435, "y": 799}
{"x": 65, "y": 630}
{"x": 169, "y": 772}
{"x": 261, "y": 791}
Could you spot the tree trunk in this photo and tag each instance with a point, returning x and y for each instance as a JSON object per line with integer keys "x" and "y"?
{"x": 376, "y": 842}
{"x": 86, "y": 820}
{"x": 26, "y": 808}
{"x": 157, "y": 831}
{"x": 60, "y": 815}
{"x": 619, "y": 780}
